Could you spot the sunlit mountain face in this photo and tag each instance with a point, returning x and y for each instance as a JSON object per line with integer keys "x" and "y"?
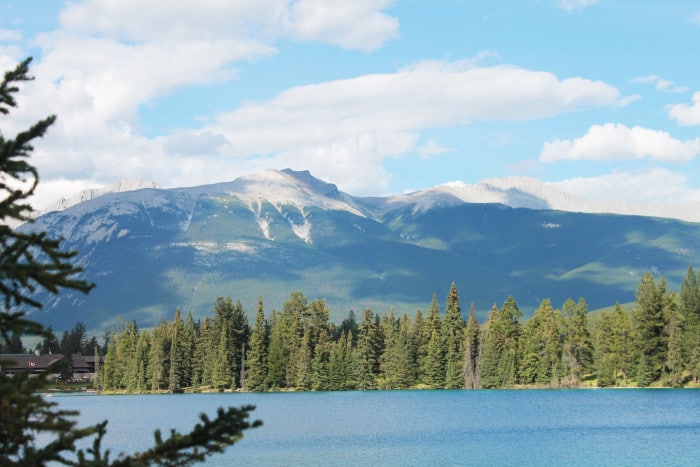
{"x": 151, "y": 251}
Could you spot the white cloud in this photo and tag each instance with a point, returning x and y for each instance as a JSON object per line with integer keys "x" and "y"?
{"x": 10, "y": 35}
{"x": 686, "y": 114}
{"x": 613, "y": 141}
{"x": 695, "y": 19}
{"x": 432, "y": 148}
{"x": 357, "y": 24}
{"x": 660, "y": 84}
{"x": 646, "y": 186}
{"x": 323, "y": 125}
{"x": 570, "y": 5}
{"x": 429, "y": 95}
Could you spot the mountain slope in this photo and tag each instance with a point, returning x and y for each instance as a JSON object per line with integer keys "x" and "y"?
{"x": 151, "y": 251}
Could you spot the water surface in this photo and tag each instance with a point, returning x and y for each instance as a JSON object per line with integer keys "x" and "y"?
{"x": 490, "y": 427}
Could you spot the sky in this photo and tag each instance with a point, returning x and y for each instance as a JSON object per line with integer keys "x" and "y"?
{"x": 598, "y": 97}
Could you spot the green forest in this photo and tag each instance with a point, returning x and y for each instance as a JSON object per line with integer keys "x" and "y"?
{"x": 656, "y": 343}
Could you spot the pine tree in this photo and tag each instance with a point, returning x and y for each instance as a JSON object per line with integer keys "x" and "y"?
{"x": 32, "y": 430}
{"x": 237, "y": 332}
{"x": 221, "y": 376}
{"x": 142, "y": 348}
{"x": 540, "y": 347}
{"x": 499, "y": 361}
{"x": 303, "y": 368}
{"x": 157, "y": 357}
{"x": 675, "y": 362}
{"x": 341, "y": 368}
{"x": 257, "y": 354}
{"x": 452, "y": 333}
{"x": 432, "y": 372}
{"x": 472, "y": 360}
{"x": 689, "y": 309}
{"x": 577, "y": 348}
{"x": 278, "y": 353}
{"x": 368, "y": 351}
{"x": 109, "y": 375}
{"x": 176, "y": 374}
{"x": 613, "y": 340}
{"x": 650, "y": 328}
{"x": 204, "y": 354}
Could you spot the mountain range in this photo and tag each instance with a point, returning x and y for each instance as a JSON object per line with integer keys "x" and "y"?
{"x": 152, "y": 250}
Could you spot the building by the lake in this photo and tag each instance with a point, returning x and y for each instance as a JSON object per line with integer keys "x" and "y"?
{"x": 81, "y": 367}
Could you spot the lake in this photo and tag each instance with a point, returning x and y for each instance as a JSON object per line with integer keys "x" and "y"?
{"x": 403, "y": 428}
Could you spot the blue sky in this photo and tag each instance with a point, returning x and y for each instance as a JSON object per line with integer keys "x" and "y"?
{"x": 600, "y": 97}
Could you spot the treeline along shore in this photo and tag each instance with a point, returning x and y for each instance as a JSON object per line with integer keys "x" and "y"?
{"x": 657, "y": 343}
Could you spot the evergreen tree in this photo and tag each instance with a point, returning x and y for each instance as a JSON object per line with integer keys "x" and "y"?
{"x": 257, "y": 354}
{"x": 391, "y": 359}
{"x": 452, "y": 333}
{"x": 221, "y": 376}
{"x": 97, "y": 382}
{"x": 650, "y": 328}
{"x": 157, "y": 357}
{"x": 14, "y": 344}
{"x": 349, "y": 326}
{"x": 32, "y": 430}
{"x": 675, "y": 362}
{"x": 368, "y": 351}
{"x": 303, "y": 368}
{"x": 73, "y": 341}
{"x": 500, "y": 346}
{"x": 490, "y": 349}
{"x": 613, "y": 340}
{"x": 142, "y": 349}
{"x": 540, "y": 347}
{"x": 689, "y": 311}
{"x": 433, "y": 365}
{"x": 294, "y": 320}
{"x": 341, "y": 365}
{"x": 203, "y": 363}
{"x": 237, "y": 332}
{"x": 176, "y": 376}
{"x": 110, "y": 379}
{"x": 278, "y": 353}
{"x": 578, "y": 347}
{"x": 472, "y": 360}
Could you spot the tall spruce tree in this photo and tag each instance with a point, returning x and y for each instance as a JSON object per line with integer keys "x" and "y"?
{"x": 675, "y": 361}
{"x": 33, "y": 431}
{"x": 368, "y": 351}
{"x": 452, "y": 331}
{"x": 472, "y": 358}
{"x": 432, "y": 371}
{"x": 540, "y": 347}
{"x": 257, "y": 354}
{"x": 578, "y": 348}
{"x": 650, "y": 328}
{"x": 499, "y": 361}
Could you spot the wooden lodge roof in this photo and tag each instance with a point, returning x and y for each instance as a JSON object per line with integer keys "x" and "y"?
{"x": 14, "y": 363}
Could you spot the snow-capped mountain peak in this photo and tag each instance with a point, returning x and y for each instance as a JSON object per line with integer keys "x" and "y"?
{"x": 285, "y": 187}
{"x": 130, "y": 184}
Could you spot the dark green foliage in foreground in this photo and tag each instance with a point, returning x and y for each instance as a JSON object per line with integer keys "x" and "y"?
{"x": 34, "y": 262}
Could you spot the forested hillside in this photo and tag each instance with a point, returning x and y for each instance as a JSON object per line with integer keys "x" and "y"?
{"x": 299, "y": 348}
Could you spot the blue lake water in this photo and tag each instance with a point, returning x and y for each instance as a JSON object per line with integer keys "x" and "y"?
{"x": 404, "y": 428}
